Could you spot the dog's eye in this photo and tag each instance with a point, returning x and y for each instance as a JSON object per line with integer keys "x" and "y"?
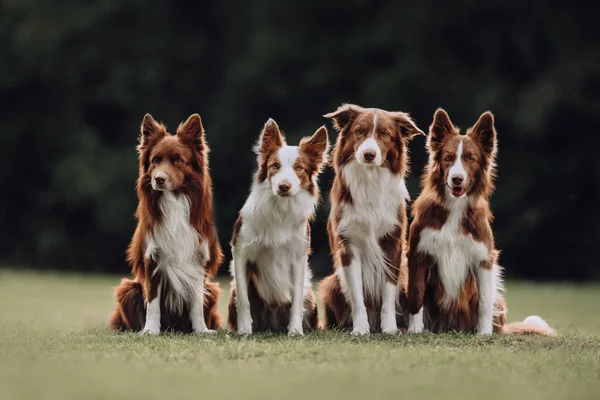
{"x": 359, "y": 131}
{"x": 178, "y": 160}
{"x": 385, "y": 134}
{"x": 275, "y": 166}
{"x": 470, "y": 159}
{"x": 448, "y": 158}
{"x": 155, "y": 160}
{"x": 298, "y": 167}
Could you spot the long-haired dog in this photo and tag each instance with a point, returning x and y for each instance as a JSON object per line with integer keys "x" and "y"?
{"x": 367, "y": 223}
{"x": 271, "y": 240}
{"x": 452, "y": 260}
{"x": 174, "y": 250}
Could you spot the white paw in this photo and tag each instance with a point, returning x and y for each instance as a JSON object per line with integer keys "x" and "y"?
{"x": 484, "y": 327}
{"x": 150, "y": 330}
{"x": 415, "y": 323}
{"x": 295, "y": 331}
{"x": 244, "y": 329}
{"x": 361, "y": 327}
{"x": 204, "y": 330}
{"x": 388, "y": 325}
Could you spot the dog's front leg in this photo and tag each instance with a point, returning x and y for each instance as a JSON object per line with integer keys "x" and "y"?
{"x": 296, "y": 312}
{"x": 353, "y": 273}
{"x": 152, "y": 289}
{"x": 244, "y": 317}
{"x": 418, "y": 265}
{"x": 486, "y": 288}
{"x": 197, "y": 310}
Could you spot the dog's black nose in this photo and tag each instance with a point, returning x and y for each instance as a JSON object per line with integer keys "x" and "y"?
{"x": 284, "y": 187}
{"x": 369, "y": 156}
{"x": 457, "y": 180}
{"x": 159, "y": 180}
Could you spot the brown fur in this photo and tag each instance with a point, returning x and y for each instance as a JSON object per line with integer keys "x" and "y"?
{"x": 184, "y": 159}
{"x": 425, "y": 288}
{"x": 355, "y": 125}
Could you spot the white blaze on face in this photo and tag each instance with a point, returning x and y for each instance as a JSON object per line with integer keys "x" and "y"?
{"x": 457, "y": 169}
{"x": 286, "y": 174}
{"x": 370, "y": 147}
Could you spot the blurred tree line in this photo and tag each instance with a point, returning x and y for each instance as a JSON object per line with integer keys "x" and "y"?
{"x": 77, "y": 77}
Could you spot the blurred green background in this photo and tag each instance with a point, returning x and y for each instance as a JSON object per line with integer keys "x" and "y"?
{"x": 76, "y": 77}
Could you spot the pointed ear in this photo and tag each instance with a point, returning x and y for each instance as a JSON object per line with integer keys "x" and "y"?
{"x": 343, "y": 115}
{"x": 150, "y": 129}
{"x": 192, "y": 132}
{"x": 484, "y": 132}
{"x": 439, "y": 129}
{"x": 270, "y": 138}
{"x": 316, "y": 147}
{"x": 408, "y": 129}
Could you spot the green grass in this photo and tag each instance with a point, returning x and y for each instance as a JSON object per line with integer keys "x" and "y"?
{"x": 54, "y": 345}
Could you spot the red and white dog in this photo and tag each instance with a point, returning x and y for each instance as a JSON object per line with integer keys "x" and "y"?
{"x": 271, "y": 240}
{"x": 452, "y": 260}
{"x": 174, "y": 250}
{"x": 367, "y": 224}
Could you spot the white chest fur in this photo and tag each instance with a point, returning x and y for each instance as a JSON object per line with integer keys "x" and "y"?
{"x": 178, "y": 250}
{"x": 377, "y": 196}
{"x": 455, "y": 253}
{"x": 273, "y": 236}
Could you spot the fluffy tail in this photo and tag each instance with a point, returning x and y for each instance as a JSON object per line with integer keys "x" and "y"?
{"x": 130, "y": 311}
{"x": 531, "y": 325}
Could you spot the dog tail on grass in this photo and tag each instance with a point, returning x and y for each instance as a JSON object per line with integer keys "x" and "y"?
{"x": 531, "y": 325}
{"x": 130, "y": 312}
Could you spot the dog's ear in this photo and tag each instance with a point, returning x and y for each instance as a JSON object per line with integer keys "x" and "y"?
{"x": 271, "y": 138}
{"x": 150, "y": 130}
{"x": 316, "y": 147}
{"x": 439, "y": 129}
{"x": 344, "y": 115}
{"x": 192, "y": 132}
{"x": 484, "y": 133}
{"x": 406, "y": 126}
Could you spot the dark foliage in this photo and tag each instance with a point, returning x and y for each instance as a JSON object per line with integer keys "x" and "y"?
{"x": 77, "y": 77}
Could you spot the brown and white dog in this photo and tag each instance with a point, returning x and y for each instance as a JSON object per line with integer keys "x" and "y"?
{"x": 367, "y": 224}
{"x": 174, "y": 250}
{"x": 452, "y": 259}
{"x": 271, "y": 240}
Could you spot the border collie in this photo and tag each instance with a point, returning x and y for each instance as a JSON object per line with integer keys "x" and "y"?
{"x": 271, "y": 288}
{"x": 367, "y": 223}
{"x": 174, "y": 250}
{"x": 453, "y": 270}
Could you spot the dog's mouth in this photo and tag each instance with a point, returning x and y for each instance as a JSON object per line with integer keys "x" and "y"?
{"x": 457, "y": 191}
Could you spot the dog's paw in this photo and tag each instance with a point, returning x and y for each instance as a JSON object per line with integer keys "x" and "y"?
{"x": 204, "y": 330}
{"x": 244, "y": 329}
{"x": 150, "y": 330}
{"x": 361, "y": 329}
{"x": 484, "y": 330}
{"x": 388, "y": 324}
{"x": 295, "y": 330}
{"x": 415, "y": 323}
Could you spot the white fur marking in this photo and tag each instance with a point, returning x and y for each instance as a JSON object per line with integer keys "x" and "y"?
{"x": 485, "y": 286}
{"x": 388, "y": 308}
{"x": 179, "y": 251}
{"x": 458, "y": 169}
{"x": 369, "y": 145}
{"x": 535, "y": 320}
{"x": 455, "y": 253}
{"x": 296, "y": 312}
{"x": 415, "y": 322}
{"x": 353, "y": 280}
{"x": 288, "y": 156}
{"x": 152, "y": 325}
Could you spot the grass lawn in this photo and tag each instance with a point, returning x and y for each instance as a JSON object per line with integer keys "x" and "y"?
{"x": 54, "y": 344}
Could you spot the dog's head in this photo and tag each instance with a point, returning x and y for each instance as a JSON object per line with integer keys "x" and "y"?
{"x": 290, "y": 169}
{"x": 462, "y": 164}
{"x": 169, "y": 162}
{"x": 372, "y": 137}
